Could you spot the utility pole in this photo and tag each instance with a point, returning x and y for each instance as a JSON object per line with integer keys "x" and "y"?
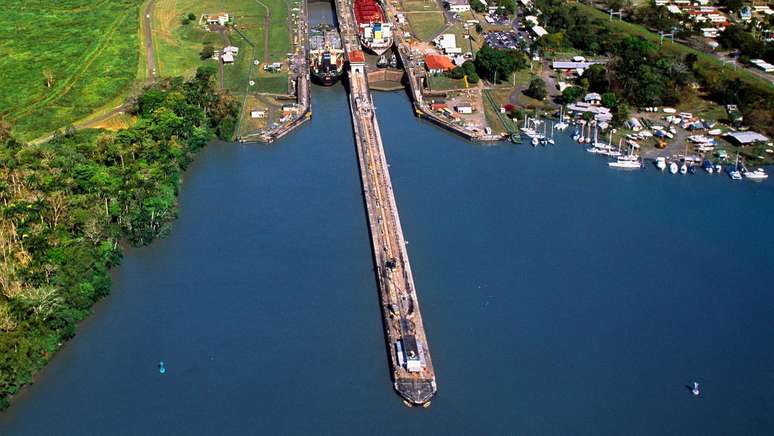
{"x": 661, "y": 36}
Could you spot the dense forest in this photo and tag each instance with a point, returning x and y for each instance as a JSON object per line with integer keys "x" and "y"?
{"x": 68, "y": 204}
{"x": 641, "y": 73}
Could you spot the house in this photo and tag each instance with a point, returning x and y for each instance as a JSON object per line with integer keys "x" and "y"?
{"x": 746, "y": 138}
{"x": 593, "y": 98}
{"x": 673, "y": 9}
{"x": 571, "y": 68}
{"x": 464, "y": 109}
{"x": 438, "y": 107}
{"x": 257, "y": 114}
{"x": 231, "y": 49}
{"x": 539, "y": 31}
{"x": 437, "y": 64}
{"x": 227, "y": 58}
{"x": 457, "y": 6}
{"x": 634, "y": 124}
{"x": 763, "y": 65}
{"x": 532, "y": 20}
{"x": 220, "y": 18}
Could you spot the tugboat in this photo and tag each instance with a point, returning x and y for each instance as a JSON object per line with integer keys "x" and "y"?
{"x": 326, "y": 54}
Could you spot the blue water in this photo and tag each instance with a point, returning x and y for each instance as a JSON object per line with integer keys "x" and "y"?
{"x": 560, "y": 297}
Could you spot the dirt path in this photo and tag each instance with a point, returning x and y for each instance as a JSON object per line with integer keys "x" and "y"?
{"x": 150, "y": 55}
{"x": 266, "y": 32}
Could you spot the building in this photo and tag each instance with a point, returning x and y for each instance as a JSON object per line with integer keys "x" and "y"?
{"x": 227, "y": 58}
{"x": 458, "y": 6}
{"x": 593, "y": 98}
{"x": 357, "y": 61}
{"x": 763, "y": 65}
{"x": 221, "y": 18}
{"x": 437, "y": 64}
{"x": 447, "y": 42}
{"x": 571, "y": 68}
{"x": 746, "y": 138}
{"x": 257, "y": 114}
{"x": 464, "y": 109}
{"x": 539, "y": 31}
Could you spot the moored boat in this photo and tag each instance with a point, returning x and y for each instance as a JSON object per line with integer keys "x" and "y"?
{"x": 375, "y": 30}
{"x": 326, "y": 54}
{"x": 661, "y": 163}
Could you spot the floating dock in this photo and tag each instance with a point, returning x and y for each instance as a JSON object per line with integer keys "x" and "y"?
{"x": 412, "y": 368}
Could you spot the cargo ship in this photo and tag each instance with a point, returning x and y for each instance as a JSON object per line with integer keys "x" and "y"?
{"x": 326, "y": 54}
{"x": 375, "y": 31}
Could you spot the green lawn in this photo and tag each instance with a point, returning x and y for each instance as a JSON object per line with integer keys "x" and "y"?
{"x": 425, "y": 24}
{"x": 443, "y": 83}
{"x": 90, "y": 48}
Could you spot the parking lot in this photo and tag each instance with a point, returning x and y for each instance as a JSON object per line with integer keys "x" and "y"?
{"x": 503, "y": 40}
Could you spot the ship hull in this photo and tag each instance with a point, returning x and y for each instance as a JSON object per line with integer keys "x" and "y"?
{"x": 326, "y": 79}
{"x": 380, "y": 50}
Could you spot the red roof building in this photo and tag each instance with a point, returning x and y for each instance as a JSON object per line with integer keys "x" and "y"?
{"x": 357, "y": 57}
{"x": 438, "y": 106}
{"x": 438, "y": 63}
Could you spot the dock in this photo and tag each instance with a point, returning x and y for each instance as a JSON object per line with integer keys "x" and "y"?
{"x": 412, "y": 368}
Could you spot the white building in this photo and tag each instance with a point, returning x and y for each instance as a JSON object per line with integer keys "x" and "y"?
{"x": 458, "y": 6}
{"x": 539, "y": 31}
{"x": 464, "y": 109}
{"x": 220, "y": 18}
{"x": 446, "y": 41}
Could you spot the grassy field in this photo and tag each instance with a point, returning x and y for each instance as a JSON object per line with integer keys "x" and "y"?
{"x": 425, "y": 24}
{"x": 178, "y": 45}
{"x": 88, "y": 48}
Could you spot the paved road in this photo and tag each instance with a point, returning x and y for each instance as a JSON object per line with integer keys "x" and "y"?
{"x": 150, "y": 59}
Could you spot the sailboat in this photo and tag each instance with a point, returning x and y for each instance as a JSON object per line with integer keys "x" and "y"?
{"x": 551, "y": 139}
{"x": 735, "y": 174}
{"x": 630, "y": 161}
{"x": 561, "y": 125}
{"x": 695, "y": 390}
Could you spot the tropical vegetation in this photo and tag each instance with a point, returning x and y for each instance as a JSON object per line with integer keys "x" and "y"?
{"x": 66, "y": 206}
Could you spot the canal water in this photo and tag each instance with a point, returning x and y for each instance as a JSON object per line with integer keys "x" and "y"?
{"x": 560, "y": 297}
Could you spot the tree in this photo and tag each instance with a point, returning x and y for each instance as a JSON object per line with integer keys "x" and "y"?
{"x": 537, "y": 89}
{"x": 596, "y": 75}
{"x": 508, "y": 7}
{"x": 208, "y": 51}
{"x": 477, "y": 6}
{"x": 571, "y": 94}
{"x": 732, "y": 5}
{"x": 191, "y": 16}
{"x": 498, "y": 65}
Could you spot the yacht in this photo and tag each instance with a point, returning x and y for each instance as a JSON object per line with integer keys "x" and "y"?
{"x": 683, "y": 169}
{"x": 661, "y": 163}
{"x": 758, "y": 174}
{"x": 709, "y": 167}
{"x": 629, "y": 162}
{"x": 673, "y": 168}
{"x": 535, "y": 140}
{"x": 551, "y": 139}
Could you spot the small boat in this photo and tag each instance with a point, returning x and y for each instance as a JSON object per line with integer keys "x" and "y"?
{"x": 709, "y": 167}
{"x": 683, "y": 169}
{"x": 162, "y": 369}
{"x": 551, "y": 139}
{"x": 661, "y": 163}
{"x": 695, "y": 390}
{"x": 758, "y": 174}
{"x": 692, "y": 169}
{"x": 735, "y": 174}
{"x": 673, "y": 168}
{"x": 382, "y": 62}
{"x": 535, "y": 141}
{"x": 718, "y": 168}
{"x": 628, "y": 162}
{"x": 394, "y": 61}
